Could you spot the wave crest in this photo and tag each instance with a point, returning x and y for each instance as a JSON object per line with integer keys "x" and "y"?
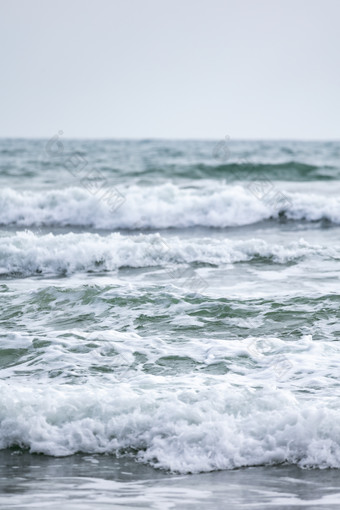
{"x": 165, "y": 206}
{"x": 27, "y": 254}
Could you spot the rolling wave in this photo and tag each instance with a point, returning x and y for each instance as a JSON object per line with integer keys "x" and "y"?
{"x": 164, "y": 206}
{"x": 28, "y": 254}
{"x": 188, "y": 423}
{"x": 287, "y": 171}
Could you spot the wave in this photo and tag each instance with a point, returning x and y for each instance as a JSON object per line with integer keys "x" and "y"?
{"x": 164, "y": 206}
{"x": 287, "y": 171}
{"x": 27, "y": 253}
{"x": 192, "y": 426}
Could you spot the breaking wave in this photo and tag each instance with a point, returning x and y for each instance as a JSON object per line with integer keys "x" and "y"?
{"x": 189, "y": 424}
{"x": 163, "y": 206}
{"x": 26, "y": 253}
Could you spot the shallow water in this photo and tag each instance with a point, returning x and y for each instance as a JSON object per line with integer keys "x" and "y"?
{"x": 82, "y": 481}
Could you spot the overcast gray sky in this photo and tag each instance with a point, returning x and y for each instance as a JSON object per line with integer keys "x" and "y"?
{"x": 170, "y": 68}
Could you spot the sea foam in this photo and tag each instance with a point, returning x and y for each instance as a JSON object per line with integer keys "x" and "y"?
{"x": 26, "y": 253}
{"x": 189, "y": 427}
{"x": 163, "y": 206}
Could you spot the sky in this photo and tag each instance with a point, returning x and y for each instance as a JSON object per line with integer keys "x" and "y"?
{"x": 197, "y": 69}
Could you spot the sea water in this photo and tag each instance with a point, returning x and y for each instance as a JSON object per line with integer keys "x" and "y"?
{"x": 169, "y": 310}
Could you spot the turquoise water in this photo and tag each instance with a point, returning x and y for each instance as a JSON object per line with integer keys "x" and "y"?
{"x": 173, "y": 306}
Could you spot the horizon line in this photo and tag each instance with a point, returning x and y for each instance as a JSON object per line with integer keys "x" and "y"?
{"x": 170, "y": 139}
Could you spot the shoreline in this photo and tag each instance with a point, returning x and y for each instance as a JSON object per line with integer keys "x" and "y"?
{"x": 104, "y": 481}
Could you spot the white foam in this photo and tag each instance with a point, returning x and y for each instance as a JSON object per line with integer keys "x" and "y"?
{"x": 168, "y": 205}
{"x": 185, "y": 422}
{"x": 27, "y": 253}
{"x": 189, "y": 429}
{"x": 15, "y": 340}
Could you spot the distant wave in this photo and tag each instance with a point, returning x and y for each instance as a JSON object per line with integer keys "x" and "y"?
{"x": 288, "y": 171}
{"x": 28, "y": 254}
{"x": 164, "y": 206}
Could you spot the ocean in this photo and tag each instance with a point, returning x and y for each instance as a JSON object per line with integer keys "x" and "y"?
{"x": 169, "y": 316}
